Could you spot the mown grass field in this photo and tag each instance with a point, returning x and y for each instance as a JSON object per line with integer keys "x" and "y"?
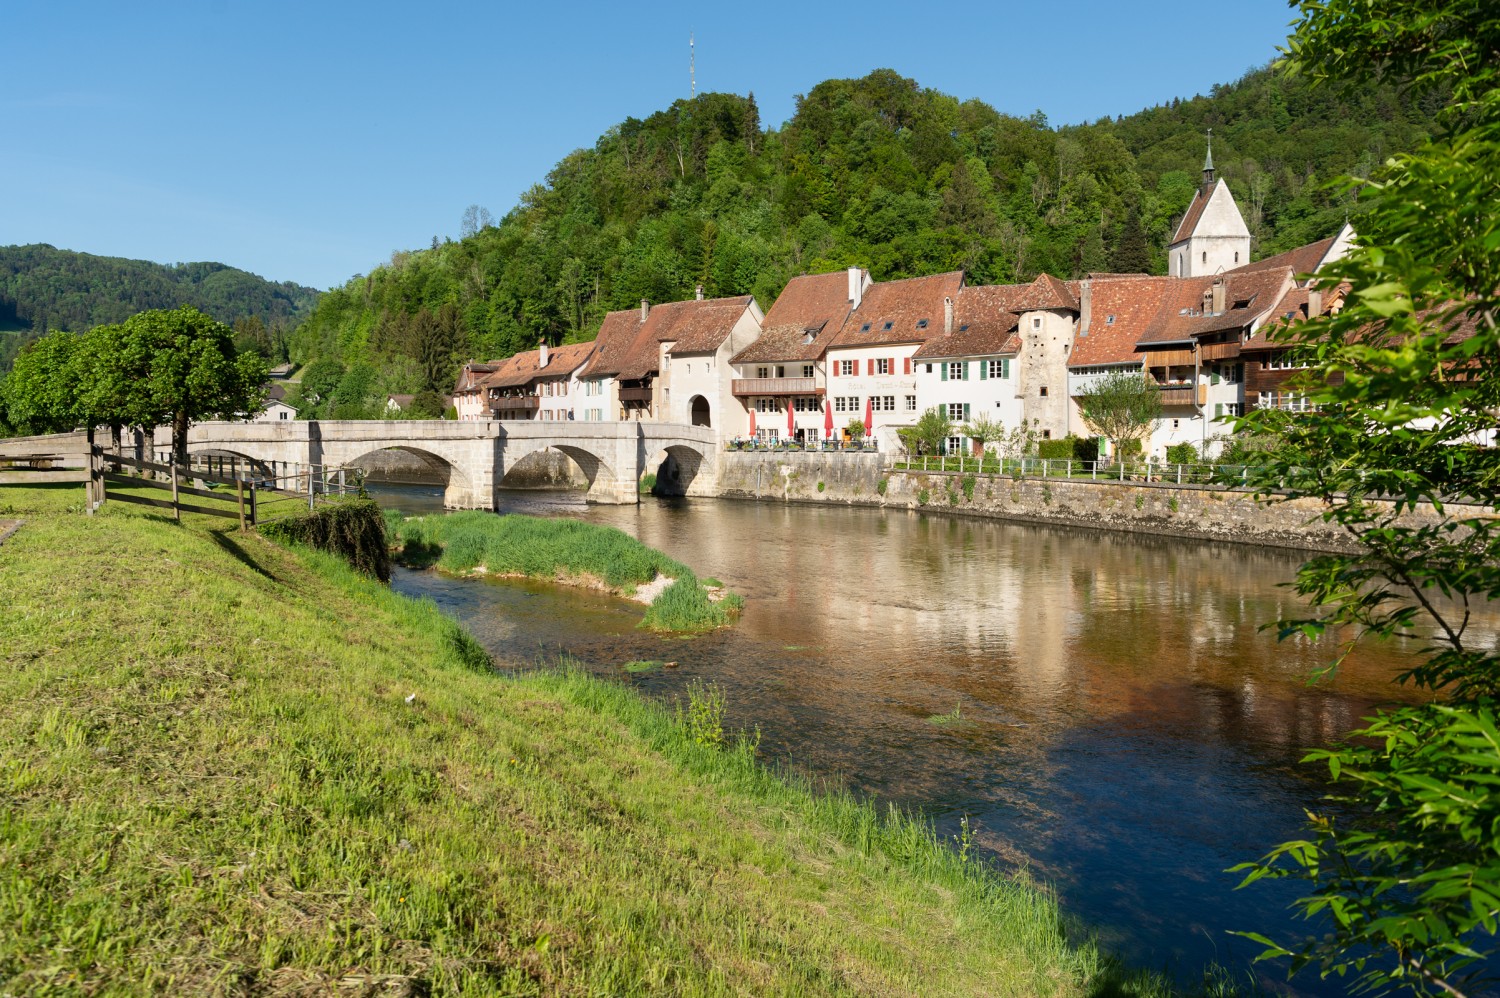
{"x": 227, "y": 767}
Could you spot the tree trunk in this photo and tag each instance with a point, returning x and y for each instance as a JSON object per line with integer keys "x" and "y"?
{"x": 179, "y": 439}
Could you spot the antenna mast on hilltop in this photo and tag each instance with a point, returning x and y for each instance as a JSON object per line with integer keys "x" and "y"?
{"x": 692, "y": 68}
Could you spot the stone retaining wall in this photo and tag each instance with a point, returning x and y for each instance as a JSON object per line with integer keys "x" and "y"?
{"x": 1137, "y": 507}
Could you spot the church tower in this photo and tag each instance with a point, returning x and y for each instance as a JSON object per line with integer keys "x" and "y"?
{"x": 1212, "y": 237}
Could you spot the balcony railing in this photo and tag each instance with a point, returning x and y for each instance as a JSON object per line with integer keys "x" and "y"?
{"x": 635, "y": 395}
{"x": 1220, "y": 351}
{"x": 776, "y": 386}
{"x": 514, "y": 403}
{"x": 1181, "y": 395}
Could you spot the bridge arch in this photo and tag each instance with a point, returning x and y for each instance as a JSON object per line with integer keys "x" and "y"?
{"x": 676, "y": 467}
{"x": 545, "y": 468}
{"x": 410, "y": 464}
{"x": 228, "y": 463}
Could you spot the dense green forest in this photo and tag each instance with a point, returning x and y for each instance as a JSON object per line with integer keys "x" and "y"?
{"x": 43, "y": 288}
{"x": 877, "y": 172}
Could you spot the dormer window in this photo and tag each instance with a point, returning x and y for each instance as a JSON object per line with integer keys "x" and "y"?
{"x": 865, "y": 328}
{"x": 887, "y": 326}
{"x": 1109, "y": 320}
{"x": 921, "y": 323}
{"x": 964, "y": 328}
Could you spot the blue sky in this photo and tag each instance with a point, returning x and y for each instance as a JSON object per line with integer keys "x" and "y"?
{"x": 307, "y": 141}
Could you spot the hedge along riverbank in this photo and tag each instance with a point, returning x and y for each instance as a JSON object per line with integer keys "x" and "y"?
{"x": 569, "y": 551}
{"x": 353, "y": 529}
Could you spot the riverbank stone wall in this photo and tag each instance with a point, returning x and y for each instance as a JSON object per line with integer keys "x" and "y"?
{"x": 1134, "y": 507}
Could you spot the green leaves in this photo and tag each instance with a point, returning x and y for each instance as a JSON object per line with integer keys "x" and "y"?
{"x": 1121, "y": 406}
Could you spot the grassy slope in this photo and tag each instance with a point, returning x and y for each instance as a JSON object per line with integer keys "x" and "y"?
{"x": 213, "y": 782}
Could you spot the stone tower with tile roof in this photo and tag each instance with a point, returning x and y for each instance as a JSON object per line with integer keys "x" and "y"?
{"x": 1212, "y": 237}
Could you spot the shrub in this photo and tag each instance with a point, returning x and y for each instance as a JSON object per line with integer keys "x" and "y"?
{"x": 1055, "y": 450}
{"x": 648, "y": 483}
{"x": 882, "y": 485}
{"x": 1183, "y": 453}
{"x": 353, "y": 529}
{"x": 820, "y": 486}
{"x": 922, "y": 497}
{"x": 968, "y": 486}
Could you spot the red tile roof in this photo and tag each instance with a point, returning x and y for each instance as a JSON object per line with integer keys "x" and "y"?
{"x": 810, "y": 303}
{"x": 630, "y": 349}
{"x": 984, "y": 323}
{"x": 617, "y": 334}
{"x": 1047, "y": 292}
{"x": 1133, "y": 303}
{"x": 1194, "y": 213}
{"x": 908, "y": 311}
{"x": 524, "y": 367}
{"x": 1302, "y": 260}
{"x": 1247, "y": 297}
{"x": 701, "y": 326}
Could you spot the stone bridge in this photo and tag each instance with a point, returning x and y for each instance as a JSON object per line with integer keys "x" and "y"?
{"x": 475, "y": 457}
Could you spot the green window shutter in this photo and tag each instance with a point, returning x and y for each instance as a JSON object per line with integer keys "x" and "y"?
{"x": 1218, "y": 409}
{"x": 966, "y": 370}
{"x": 943, "y": 371}
{"x": 984, "y": 370}
{"x": 966, "y": 412}
{"x": 1005, "y": 369}
{"x": 1213, "y": 379}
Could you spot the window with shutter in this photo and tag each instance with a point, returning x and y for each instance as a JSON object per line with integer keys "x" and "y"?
{"x": 890, "y": 365}
{"x": 966, "y": 370}
{"x": 966, "y": 411}
{"x": 984, "y": 370}
{"x": 942, "y": 372}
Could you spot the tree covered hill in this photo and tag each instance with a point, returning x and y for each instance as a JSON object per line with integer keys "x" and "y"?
{"x": 44, "y": 288}
{"x": 877, "y": 172}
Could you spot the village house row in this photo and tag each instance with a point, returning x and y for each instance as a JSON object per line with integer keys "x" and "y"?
{"x": 840, "y": 347}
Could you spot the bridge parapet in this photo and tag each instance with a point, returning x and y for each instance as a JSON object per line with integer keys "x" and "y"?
{"x": 612, "y": 455}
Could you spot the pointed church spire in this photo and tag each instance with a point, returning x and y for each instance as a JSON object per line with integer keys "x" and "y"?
{"x": 1208, "y": 162}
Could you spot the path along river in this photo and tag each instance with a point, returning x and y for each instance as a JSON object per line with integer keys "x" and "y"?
{"x": 1125, "y": 729}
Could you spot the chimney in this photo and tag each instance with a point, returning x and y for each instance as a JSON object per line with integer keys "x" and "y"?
{"x": 645, "y": 309}
{"x": 1085, "y": 306}
{"x": 1314, "y": 303}
{"x": 1218, "y": 296}
{"x": 947, "y": 315}
{"x": 856, "y": 287}
{"x": 698, "y": 293}
{"x": 542, "y": 360}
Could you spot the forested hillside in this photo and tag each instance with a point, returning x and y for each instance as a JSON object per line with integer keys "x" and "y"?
{"x": 44, "y": 288}
{"x": 877, "y": 172}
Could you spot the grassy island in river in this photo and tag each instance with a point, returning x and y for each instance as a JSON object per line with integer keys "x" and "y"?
{"x": 568, "y": 551}
{"x": 230, "y": 766}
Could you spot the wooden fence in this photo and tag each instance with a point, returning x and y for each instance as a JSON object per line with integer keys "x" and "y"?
{"x": 251, "y": 499}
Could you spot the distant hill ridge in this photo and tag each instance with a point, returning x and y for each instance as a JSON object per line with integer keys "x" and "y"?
{"x": 876, "y": 172}
{"x": 44, "y": 288}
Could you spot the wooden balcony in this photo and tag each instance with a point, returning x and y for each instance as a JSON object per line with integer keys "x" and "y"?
{"x": 1183, "y": 394}
{"x": 513, "y": 403}
{"x": 776, "y": 386}
{"x": 1220, "y": 351}
{"x": 635, "y": 395}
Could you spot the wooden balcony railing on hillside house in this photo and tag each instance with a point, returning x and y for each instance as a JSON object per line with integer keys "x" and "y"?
{"x": 776, "y": 386}
{"x": 1183, "y": 394}
{"x": 1219, "y": 351}
{"x": 514, "y": 403}
{"x": 635, "y": 395}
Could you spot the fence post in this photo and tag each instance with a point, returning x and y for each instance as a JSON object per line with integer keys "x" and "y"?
{"x": 172, "y": 473}
{"x": 254, "y": 518}
{"x": 310, "y": 488}
{"x": 1122, "y": 467}
{"x": 1179, "y": 474}
{"x": 341, "y": 483}
{"x": 1070, "y": 467}
{"x": 239, "y": 487}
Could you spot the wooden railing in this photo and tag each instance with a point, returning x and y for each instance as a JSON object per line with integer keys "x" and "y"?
{"x": 514, "y": 403}
{"x": 244, "y": 494}
{"x": 776, "y": 386}
{"x": 635, "y": 395}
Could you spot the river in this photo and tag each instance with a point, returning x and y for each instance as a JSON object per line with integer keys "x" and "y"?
{"x": 1104, "y": 708}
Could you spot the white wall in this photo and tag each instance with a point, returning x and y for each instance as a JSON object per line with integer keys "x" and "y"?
{"x": 996, "y": 397}
{"x": 1046, "y": 342}
{"x": 898, "y": 385}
